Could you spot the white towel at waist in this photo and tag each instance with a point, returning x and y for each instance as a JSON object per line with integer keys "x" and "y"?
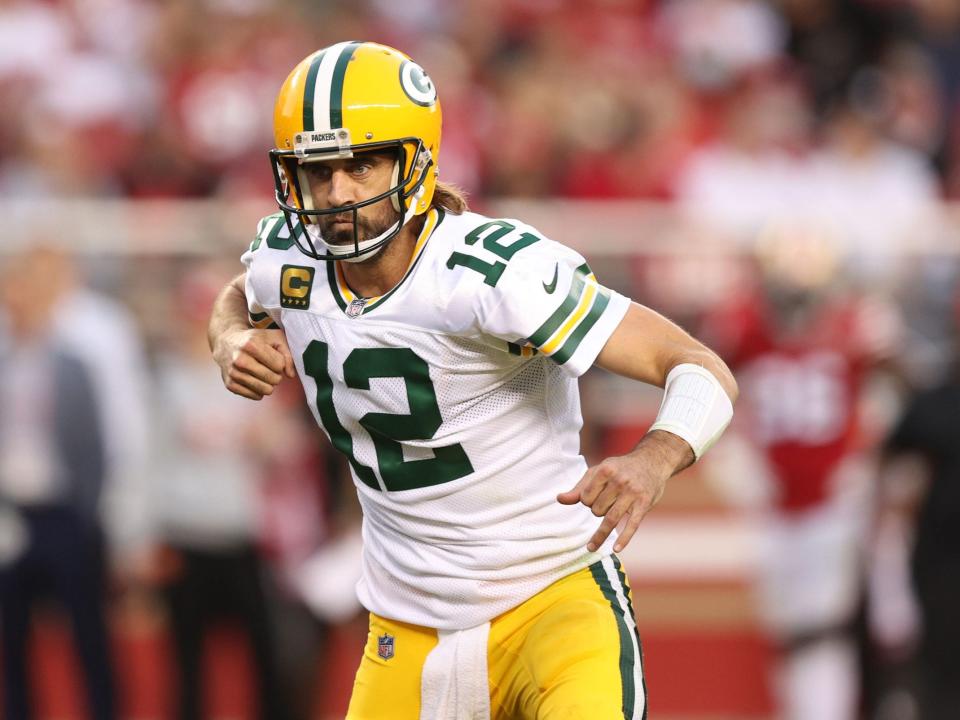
{"x": 454, "y": 685}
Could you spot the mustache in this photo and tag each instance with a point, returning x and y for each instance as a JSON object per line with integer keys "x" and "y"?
{"x": 328, "y": 221}
{"x": 366, "y": 227}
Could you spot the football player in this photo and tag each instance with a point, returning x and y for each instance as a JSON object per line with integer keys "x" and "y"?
{"x": 804, "y": 348}
{"x": 439, "y": 350}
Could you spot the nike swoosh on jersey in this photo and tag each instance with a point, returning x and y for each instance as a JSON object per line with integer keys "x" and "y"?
{"x": 553, "y": 283}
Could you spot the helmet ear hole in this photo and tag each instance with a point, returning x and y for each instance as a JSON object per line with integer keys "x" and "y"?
{"x": 284, "y": 182}
{"x": 290, "y": 185}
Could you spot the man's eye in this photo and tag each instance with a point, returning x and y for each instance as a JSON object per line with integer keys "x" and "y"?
{"x": 361, "y": 169}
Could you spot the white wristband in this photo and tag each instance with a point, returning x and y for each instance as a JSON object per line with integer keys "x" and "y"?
{"x": 694, "y": 406}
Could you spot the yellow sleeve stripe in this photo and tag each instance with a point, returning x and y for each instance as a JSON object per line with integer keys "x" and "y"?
{"x": 586, "y": 300}
{"x": 569, "y": 305}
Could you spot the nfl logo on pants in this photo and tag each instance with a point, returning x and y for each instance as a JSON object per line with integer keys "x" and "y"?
{"x": 385, "y": 646}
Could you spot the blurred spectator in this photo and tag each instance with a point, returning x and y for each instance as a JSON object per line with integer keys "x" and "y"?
{"x": 717, "y": 41}
{"x": 47, "y": 27}
{"x": 928, "y": 430}
{"x": 79, "y": 106}
{"x": 101, "y": 332}
{"x": 916, "y": 111}
{"x": 205, "y": 499}
{"x": 467, "y": 111}
{"x": 831, "y": 39}
{"x": 877, "y": 195}
{"x": 525, "y": 131}
{"x": 178, "y": 102}
{"x": 938, "y": 33}
{"x": 802, "y": 351}
{"x": 755, "y": 173}
{"x": 308, "y": 504}
{"x": 53, "y": 466}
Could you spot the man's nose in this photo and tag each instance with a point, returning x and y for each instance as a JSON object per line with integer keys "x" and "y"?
{"x": 342, "y": 189}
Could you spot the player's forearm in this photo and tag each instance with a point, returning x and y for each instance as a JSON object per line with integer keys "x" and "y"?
{"x": 647, "y": 346}
{"x": 229, "y": 311}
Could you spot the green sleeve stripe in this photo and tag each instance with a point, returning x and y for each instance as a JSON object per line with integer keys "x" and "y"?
{"x": 543, "y": 333}
{"x": 573, "y": 342}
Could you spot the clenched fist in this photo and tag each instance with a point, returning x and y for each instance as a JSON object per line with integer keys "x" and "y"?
{"x": 253, "y": 362}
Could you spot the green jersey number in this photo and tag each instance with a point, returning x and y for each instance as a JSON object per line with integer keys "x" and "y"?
{"x": 274, "y": 241}
{"x": 450, "y": 462}
{"x": 491, "y": 241}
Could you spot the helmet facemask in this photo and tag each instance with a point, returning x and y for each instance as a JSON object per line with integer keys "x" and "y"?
{"x": 412, "y": 160}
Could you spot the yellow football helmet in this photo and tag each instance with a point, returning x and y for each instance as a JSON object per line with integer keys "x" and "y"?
{"x": 347, "y": 98}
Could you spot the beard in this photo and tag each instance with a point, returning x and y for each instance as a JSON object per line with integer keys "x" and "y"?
{"x": 366, "y": 227}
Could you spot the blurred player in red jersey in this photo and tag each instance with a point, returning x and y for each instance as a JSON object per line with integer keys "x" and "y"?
{"x": 803, "y": 349}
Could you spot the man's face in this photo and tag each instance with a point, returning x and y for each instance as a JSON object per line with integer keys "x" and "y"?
{"x": 336, "y": 183}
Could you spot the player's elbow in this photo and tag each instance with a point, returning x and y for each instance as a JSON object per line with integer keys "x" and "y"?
{"x": 727, "y": 381}
{"x": 709, "y": 360}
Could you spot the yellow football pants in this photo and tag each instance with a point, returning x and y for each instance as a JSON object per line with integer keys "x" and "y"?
{"x": 571, "y": 651}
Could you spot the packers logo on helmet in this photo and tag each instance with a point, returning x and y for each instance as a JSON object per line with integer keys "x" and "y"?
{"x": 349, "y": 98}
{"x": 417, "y": 84}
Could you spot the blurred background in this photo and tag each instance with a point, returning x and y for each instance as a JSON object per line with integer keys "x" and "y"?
{"x": 779, "y": 176}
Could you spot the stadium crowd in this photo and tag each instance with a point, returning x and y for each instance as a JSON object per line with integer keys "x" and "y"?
{"x": 817, "y": 139}
{"x": 599, "y": 99}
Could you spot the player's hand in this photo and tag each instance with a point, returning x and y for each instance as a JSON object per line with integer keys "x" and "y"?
{"x": 623, "y": 489}
{"x": 253, "y": 362}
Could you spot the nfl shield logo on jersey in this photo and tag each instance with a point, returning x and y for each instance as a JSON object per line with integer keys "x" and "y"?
{"x": 385, "y": 646}
{"x": 355, "y": 307}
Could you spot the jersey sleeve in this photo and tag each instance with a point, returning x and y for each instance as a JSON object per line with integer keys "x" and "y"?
{"x": 262, "y": 301}
{"x": 548, "y": 298}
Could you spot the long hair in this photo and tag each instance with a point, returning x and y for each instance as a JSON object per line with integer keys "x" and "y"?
{"x": 450, "y": 198}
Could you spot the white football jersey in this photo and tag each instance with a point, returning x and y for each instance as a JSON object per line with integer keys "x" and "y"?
{"x": 454, "y": 396}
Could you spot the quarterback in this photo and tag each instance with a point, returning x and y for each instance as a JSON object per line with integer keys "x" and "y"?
{"x": 439, "y": 351}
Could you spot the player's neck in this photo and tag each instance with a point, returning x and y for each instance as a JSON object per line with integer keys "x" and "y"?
{"x": 383, "y": 271}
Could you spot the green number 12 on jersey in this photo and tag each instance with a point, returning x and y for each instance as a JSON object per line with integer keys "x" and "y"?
{"x": 450, "y": 462}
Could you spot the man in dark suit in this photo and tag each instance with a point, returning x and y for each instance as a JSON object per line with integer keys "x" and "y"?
{"x": 52, "y": 468}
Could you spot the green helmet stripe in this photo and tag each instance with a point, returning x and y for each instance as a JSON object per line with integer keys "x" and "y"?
{"x": 309, "y": 89}
{"x": 336, "y": 85}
